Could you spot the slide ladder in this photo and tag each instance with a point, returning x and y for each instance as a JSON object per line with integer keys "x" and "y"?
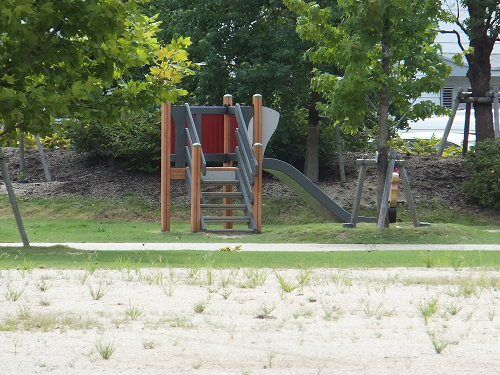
{"x": 221, "y": 194}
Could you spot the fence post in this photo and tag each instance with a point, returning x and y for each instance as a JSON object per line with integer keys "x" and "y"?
{"x": 196, "y": 188}
{"x": 166, "y": 125}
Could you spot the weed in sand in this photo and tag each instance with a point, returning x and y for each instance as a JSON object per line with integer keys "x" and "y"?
{"x": 99, "y": 291}
{"x": 200, "y": 306}
{"x": 370, "y": 309}
{"x": 44, "y": 302}
{"x": 24, "y": 313}
{"x": 105, "y": 349}
{"x": 438, "y": 342}
{"x": 225, "y": 293}
{"x": 42, "y": 285}
{"x": 331, "y": 312}
{"x": 428, "y": 308}
{"x": 133, "y": 312}
{"x": 287, "y": 286}
{"x": 491, "y": 314}
{"x": 453, "y": 309}
{"x": 265, "y": 311}
{"x": 12, "y": 294}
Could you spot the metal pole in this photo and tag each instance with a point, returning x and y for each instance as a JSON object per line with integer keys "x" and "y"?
{"x": 338, "y": 145}
{"x": 12, "y": 198}
{"x": 43, "y": 159}
{"x": 495, "y": 112}
{"x": 456, "y": 103}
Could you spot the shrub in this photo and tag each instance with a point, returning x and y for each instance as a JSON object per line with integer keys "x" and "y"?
{"x": 136, "y": 142}
{"x": 483, "y": 162}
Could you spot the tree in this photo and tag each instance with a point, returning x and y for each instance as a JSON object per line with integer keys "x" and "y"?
{"x": 482, "y": 26}
{"x": 250, "y": 47}
{"x": 385, "y": 50}
{"x": 72, "y": 59}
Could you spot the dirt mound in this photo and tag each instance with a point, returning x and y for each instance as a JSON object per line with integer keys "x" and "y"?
{"x": 431, "y": 178}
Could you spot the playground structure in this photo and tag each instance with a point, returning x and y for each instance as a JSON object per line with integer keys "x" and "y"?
{"x": 468, "y": 98}
{"x": 234, "y": 137}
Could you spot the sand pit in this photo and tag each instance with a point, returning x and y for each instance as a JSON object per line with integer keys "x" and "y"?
{"x": 340, "y": 321}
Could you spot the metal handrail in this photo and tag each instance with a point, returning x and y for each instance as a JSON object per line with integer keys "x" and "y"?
{"x": 192, "y": 138}
{"x": 244, "y": 141}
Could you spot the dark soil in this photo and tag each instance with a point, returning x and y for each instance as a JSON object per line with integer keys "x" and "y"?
{"x": 431, "y": 178}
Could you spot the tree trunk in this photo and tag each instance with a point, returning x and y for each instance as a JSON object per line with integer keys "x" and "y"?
{"x": 311, "y": 166}
{"x": 479, "y": 72}
{"x": 383, "y": 133}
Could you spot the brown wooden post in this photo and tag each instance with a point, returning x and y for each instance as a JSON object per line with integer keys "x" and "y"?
{"x": 258, "y": 151}
{"x": 196, "y": 188}
{"x": 227, "y": 101}
{"x": 166, "y": 127}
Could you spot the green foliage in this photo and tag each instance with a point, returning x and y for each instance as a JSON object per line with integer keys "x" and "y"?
{"x": 135, "y": 142}
{"x": 385, "y": 51}
{"x": 73, "y": 60}
{"x": 483, "y": 162}
{"x": 423, "y": 147}
{"x": 50, "y": 141}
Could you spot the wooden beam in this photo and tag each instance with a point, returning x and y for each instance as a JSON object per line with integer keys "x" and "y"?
{"x": 227, "y": 101}
{"x": 166, "y": 127}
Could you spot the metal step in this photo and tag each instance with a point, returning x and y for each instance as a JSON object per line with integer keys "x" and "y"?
{"x": 227, "y": 219}
{"x": 241, "y": 230}
{"x": 210, "y": 206}
{"x": 221, "y": 194}
{"x": 220, "y": 182}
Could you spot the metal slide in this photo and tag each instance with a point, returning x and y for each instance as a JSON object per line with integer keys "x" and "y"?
{"x": 310, "y": 192}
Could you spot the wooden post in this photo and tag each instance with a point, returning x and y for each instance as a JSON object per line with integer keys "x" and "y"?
{"x": 409, "y": 196}
{"x": 43, "y": 159}
{"x": 359, "y": 191}
{"x": 166, "y": 125}
{"x": 385, "y": 197}
{"x": 196, "y": 188}
{"x": 259, "y": 154}
{"x": 227, "y": 101}
{"x": 466, "y": 128}
{"x": 12, "y": 198}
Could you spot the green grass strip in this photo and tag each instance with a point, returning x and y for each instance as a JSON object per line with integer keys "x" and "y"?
{"x": 61, "y": 257}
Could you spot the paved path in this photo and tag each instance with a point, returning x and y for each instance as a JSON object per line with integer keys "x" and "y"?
{"x": 261, "y": 247}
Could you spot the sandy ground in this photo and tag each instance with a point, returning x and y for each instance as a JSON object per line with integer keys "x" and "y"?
{"x": 340, "y": 321}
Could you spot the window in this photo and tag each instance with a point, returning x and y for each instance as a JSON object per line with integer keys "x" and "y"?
{"x": 447, "y": 97}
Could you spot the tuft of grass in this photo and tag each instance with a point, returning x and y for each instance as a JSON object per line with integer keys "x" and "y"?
{"x": 287, "y": 286}
{"x": 133, "y": 312}
{"x": 428, "y": 308}
{"x": 265, "y": 311}
{"x": 12, "y": 294}
{"x": 105, "y": 349}
{"x": 200, "y": 306}
{"x": 99, "y": 291}
{"x": 331, "y": 312}
{"x": 438, "y": 342}
{"x": 369, "y": 309}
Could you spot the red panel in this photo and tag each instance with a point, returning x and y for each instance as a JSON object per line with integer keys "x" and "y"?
{"x": 212, "y": 134}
